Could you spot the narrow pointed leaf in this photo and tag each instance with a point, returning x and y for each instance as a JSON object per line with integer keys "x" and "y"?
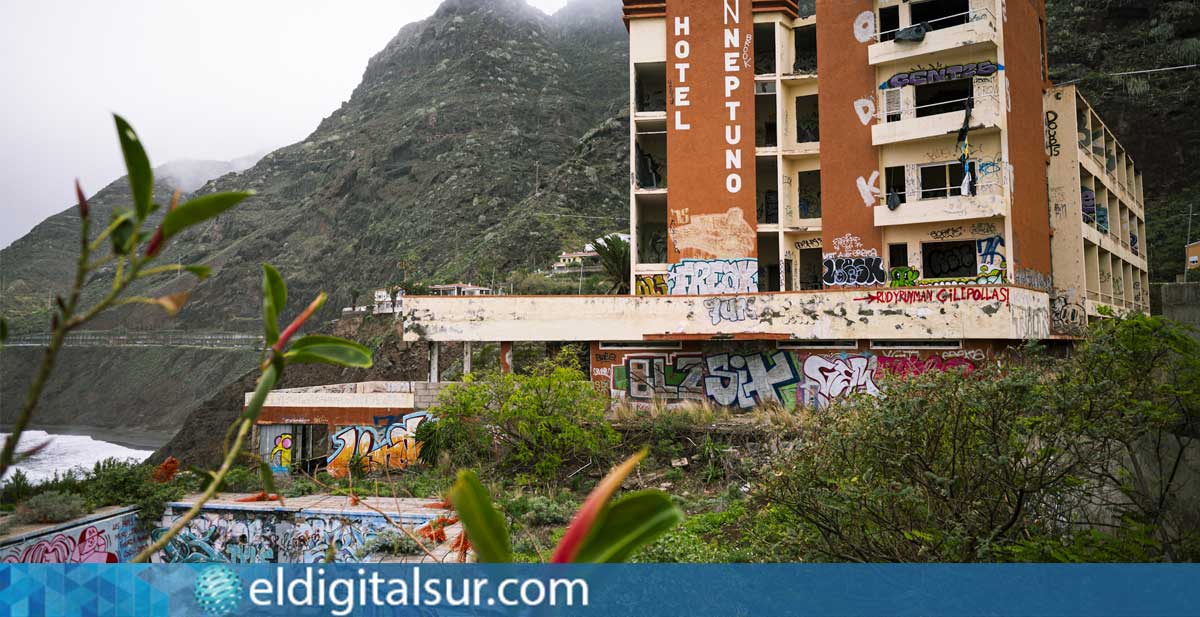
{"x": 199, "y": 210}
{"x": 201, "y": 272}
{"x": 123, "y": 235}
{"x": 137, "y": 165}
{"x": 274, "y": 297}
{"x": 627, "y": 525}
{"x": 268, "y": 476}
{"x": 585, "y": 520}
{"x": 317, "y": 348}
{"x": 484, "y": 525}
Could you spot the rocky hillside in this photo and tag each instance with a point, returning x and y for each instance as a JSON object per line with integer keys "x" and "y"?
{"x": 1151, "y": 113}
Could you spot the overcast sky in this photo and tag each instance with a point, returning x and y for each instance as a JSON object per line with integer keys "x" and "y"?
{"x": 199, "y": 80}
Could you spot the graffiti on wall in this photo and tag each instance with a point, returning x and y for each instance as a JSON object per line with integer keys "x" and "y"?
{"x": 281, "y": 454}
{"x": 710, "y": 236}
{"x": 743, "y": 380}
{"x": 716, "y": 276}
{"x": 939, "y": 294}
{"x": 113, "y": 540}
{"x": 651, "y": 285}
{"x": 268, "y": 537}
{"x": 852, "y": 265}
{"x": 394, "y": 446}
{"x": 1053, "y": 147}
{"x": 1067, "y": 316}
{"x": 728, "y": 310}
{"x": 949, "y": 73}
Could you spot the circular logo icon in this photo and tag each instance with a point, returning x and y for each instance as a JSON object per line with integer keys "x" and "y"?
{"x": 218, "y": 591}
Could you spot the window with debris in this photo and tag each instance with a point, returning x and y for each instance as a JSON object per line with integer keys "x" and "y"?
{"x": 896, "y": 185}
{"x": 942, "y": 180}
{"x": 941, "y": 14}
{"x": 944, "y": 97}
{"x": 942, "y": 260}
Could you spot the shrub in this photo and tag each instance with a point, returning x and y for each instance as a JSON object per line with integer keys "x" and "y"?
{"x": 538, "y": 423}
{"x": 388, "y": 542}
{"x": 51, "y": 507}
{"x": 541, "y": 510}
{"x": 300, "y": 487}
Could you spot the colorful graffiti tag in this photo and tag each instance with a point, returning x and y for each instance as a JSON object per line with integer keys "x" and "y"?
{"x": 261, "y": 537}
{"x": 651, "y": 285}
{"x": 743, "y": 380}
{"x": 112, "y": 540}
{"x": 281, "y": 454}
{"x": 717, "y": 276}
{"x": 394, "y": 446}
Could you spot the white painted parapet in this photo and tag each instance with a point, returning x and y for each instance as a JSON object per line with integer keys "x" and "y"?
{"x": 923, "y": 312}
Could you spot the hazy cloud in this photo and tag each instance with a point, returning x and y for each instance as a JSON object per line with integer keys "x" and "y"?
{"x": 200, "y": 80}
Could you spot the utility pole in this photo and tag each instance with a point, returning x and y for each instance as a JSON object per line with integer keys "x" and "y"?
{"x": 1187, "y": 243}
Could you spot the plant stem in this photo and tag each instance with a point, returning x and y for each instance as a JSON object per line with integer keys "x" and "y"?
{"x": 265, "y": 384}
{"x": 61, "y": 328}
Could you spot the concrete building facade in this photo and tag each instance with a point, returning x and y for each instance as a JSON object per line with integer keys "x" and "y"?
{"x": 824, "y": 192}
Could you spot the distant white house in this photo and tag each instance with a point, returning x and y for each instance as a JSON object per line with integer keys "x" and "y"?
{"x": 461, "y": 289}
{"x": 587, "y": 260}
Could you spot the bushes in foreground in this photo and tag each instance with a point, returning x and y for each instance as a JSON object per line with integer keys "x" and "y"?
{"x": 537, "y": 425}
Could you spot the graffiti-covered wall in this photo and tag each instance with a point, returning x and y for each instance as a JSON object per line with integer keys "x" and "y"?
{"x": 286, "y": 536}
{"x": 743, "y": 376}
{"x": 111, "y": 537}
{"x": 390, "y": 443}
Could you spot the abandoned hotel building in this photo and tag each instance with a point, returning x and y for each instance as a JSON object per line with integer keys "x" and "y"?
{"x": 819, "y": 194}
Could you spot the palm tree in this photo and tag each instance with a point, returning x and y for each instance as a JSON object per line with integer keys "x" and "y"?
{"x": 613, "y": 251}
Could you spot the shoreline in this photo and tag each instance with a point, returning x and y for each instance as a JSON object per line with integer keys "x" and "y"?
{"x": 133, "y": 439}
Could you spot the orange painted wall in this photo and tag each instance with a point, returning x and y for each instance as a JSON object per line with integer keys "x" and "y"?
{"x": 705, "y": 219}
{"x": 1029, "y": 247}
{"x": 846, "y": 151}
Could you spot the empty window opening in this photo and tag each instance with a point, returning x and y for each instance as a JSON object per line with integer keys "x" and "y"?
{"x": 940, "y": 14}
{"x": 768, "y": 263}
{"x": 896, "y": 186}
{"x": 942, "y": 260}
{"x": 943, "y": 180}
{"x": 806, "y": 50}
{"x": 944, "y": 97}
{"x": 651, "y": 152}
{"x": 808, "y": 195}
{"x": 808, "y": 119}
{"x": 897, "y": 255}
{"x": 917, "y": 344}
{"x": 766, "y": 125}
{"x": 808, "y": 269}
{"x": 818, "y": 344}
{"x": 652, "y": 229}
{"x": 889, "y": 22}
{"x": 764, "y": 49}
{"x": 767, "y": 197}
{"x": 651, "y": 86}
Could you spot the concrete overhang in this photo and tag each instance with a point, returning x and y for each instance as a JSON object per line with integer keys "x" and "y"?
{"x": 979, "y": 34}
{"x": 957, "y": 312}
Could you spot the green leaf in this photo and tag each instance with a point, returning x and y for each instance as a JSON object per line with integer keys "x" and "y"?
{"x": 630, "y": 523}
{"x": 320, "y": 348}
{"x": 201, "y": 272}
{"x": 123, "y": 235}
{"x": 484, "y": 525}
{"x": 199, "y": 210}
{"x": 267, "y": 476}
{"x": 137, "y": 165}
{"x": 274, "y": 298}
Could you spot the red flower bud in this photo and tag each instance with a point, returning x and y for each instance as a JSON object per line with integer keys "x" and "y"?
{"x": 83, "y": 204}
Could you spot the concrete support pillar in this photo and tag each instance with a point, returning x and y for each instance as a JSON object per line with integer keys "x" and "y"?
{"x": 506, "y": 357}
{"x": 466, "y": 358}
{"x": 433, "y": 362}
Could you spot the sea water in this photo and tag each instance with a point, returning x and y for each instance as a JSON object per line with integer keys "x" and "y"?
{"x": 66, "y": 452}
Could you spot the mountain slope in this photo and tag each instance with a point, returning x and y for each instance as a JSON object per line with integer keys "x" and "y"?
{"x": 420, "y": 173}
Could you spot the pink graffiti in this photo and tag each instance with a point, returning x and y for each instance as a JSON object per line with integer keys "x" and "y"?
{"x": 840, "y": 376}
{"x": 91, "y": 547}
{"x": 913, "y": 365}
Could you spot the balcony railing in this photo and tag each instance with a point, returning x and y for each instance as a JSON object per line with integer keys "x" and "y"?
{"x": 953, "y": 106}
{"x": 971, "y": 15}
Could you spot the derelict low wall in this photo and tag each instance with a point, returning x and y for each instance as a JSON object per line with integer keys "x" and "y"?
{"x": 109, "y": 537}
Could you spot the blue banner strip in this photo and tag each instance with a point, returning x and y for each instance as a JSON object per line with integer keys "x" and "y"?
{"x": 128, "y": 590}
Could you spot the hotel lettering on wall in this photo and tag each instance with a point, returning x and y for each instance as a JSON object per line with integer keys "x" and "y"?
{"x": 710, "y": 130}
